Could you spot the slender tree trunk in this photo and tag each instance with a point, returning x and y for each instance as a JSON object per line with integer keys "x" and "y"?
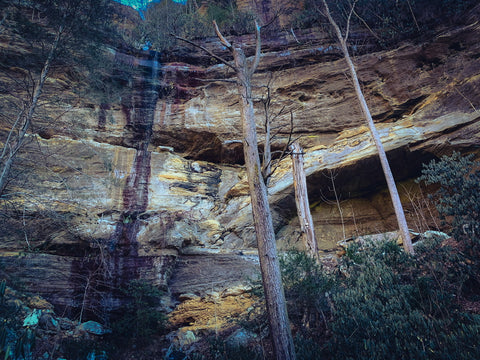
{"x": 400, "y": 214}
{"x": 301, "y": 200}
{"x": 267, "y": 149}
{"x": 267, "y": 250}
{"x": 262, "y": 217}
{"x": 28, "y": 116}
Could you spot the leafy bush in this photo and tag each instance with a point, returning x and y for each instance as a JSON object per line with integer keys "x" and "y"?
{"x": 167, "y": 17}
{"x": 306, "y": 285}
{"x": 458, "y": 198}
{"x": 16, "y": 342}
{"x": 381, "y": 303}
{"x": 218, "y": 349}
{"x": 223, "y": 350}
{"x": 141, "y": 318}
{"x": 79, "y": 349}
{"x": 307, "y": 349}
{"x": 392, "y": 306}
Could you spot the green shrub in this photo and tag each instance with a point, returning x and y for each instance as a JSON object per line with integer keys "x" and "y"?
{"x": 167, "y": 17}
{"x": 222, "y": 350}
{"x": 78, "y": 349}
{"x": 218, "y": 349}
{"x": 458, "y": 198}
{"x": 392, "y": 306}
{"x": 141, "y": 318}
{"x": 381, "y": 303}
{"x": 306, "y": 349}
{"x": 306, "y": 285}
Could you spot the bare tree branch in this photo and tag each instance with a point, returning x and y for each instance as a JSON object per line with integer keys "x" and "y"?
{"x": 286, "y": 148}
{"x": 374, "y": 34}
{"x": 222, "y": 60}
{"x": 352, "y": 9}
{"x": 258, "y": 48}
{"x": 223, "y": 40}
{"x": 215, "y": 80}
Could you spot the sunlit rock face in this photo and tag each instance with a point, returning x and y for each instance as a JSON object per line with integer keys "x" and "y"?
{"x": 143, "y": 186}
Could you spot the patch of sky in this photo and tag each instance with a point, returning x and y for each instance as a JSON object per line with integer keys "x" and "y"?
{"x": 141, "y": 5}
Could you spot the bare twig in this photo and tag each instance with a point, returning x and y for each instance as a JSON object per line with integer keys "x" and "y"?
{"x": 374, "y": 34}
{"x": 352, "y": 9}
{"x": 222, "y": 38}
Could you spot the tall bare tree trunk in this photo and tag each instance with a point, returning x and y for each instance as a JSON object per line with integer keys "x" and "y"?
{"x": 262, "y": 218}
{"x": 301, "y": 200}
{"x": 400, "y": 214}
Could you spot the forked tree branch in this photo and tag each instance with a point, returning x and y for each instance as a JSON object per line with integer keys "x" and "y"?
{"x": 222, "y": 60}
{"x": 352, "y": 10}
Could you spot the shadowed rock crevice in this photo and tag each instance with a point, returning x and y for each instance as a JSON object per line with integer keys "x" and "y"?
{"x": 366, "y": 176}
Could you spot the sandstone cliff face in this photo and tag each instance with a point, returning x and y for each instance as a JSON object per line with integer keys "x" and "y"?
{"x": 152, "y": 186}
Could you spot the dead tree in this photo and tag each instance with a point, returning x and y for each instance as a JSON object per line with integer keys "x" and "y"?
{"x": 262, "y": 217}
{"x": 397, "y": 205}
{"x": 301, "y": 200}
{"x": 18, "y": 133}
{"x": 271, "y": 158}
{"x": 64, "y": 25}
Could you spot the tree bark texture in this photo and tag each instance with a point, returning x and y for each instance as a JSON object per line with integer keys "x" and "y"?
{"x": 397, "y": 205}
{"x": 301, "y": 200}
{"x": 262, "y": 218}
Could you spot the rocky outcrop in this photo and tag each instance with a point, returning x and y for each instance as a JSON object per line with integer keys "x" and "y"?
{"x": 152, "y": 186}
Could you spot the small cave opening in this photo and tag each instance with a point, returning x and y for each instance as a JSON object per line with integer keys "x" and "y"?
{"x": 201, "y": 145}
{"x": 357, "y": 202}
{"x": 366, "y": 176}
{"x": 361, "y": 180}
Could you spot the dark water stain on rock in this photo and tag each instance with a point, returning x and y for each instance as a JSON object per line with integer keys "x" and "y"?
{"x": 135, "y": 194}
{"x": 99, "y": 278}
{"x": 102, "y": 116}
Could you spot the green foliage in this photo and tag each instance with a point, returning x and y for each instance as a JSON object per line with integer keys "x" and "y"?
{"x": 83, "y": 28}
{"x": 3, "y": 286}
{"x": 229, "y": 19}
{"x": 25, "y": 345}
{"x": 306, "y": 286}
{"x": 222, "y": 350}
{"x": 141, "y": 318}
{"x": 168, "y": 17}
{"x": 16, "y": 342}
{"x": 381, "y": 303}
{"x": 392, "y": 306}
{"x": 458, "y": 198}
{"x": 81, "y": 349}
{"x": 307, "y": 349}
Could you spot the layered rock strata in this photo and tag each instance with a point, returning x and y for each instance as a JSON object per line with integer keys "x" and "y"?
{"x": 147, "y": 186}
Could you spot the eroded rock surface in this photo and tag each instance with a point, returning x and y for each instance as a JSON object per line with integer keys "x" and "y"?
{"x": 153, "y": 185}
